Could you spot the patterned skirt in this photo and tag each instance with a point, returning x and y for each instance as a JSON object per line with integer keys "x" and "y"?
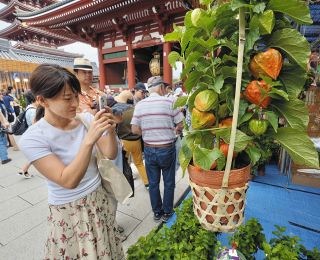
{"x": 84, "y": 229}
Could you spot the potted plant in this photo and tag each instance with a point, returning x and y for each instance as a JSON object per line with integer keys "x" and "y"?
{"x": 244, "y": 67}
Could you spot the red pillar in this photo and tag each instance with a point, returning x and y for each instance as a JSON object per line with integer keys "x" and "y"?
{"x": 167, "y": 69}
{"x": 102, "y": 71}
{"x": 130, "y": 65}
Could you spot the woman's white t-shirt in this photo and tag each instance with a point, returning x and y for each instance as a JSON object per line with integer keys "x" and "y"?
{"x": 43, "y": 139}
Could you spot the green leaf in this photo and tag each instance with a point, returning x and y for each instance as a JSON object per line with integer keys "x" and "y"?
{"x": 180, "y": 102}
{"x": 246, "y": 117}
{"x": 241, "y": 142}
{"x": 175, "y": 35}
{"x": 299, "y": 146}
{"x": 254, "y": 22}
{"x": 192, "y": 80}
{"x": 298, "y": 10}
{"x": 293, "y": 43}
{"x": 206, "y": 157}
{"x": 254, "y": 154}
{"x": 208, "y": 44}
{"x": 295, "y": 112}
{"x": 236, "y": 4}
{"x": 275, "y": 93}
{"x": 229, "y": 72}
{"x": 185, "y": 155}
{"x": 293, "y": 78}
{"x": 218, "y": 84}
{"x": 273, "y": 119}
{"x": 251, "y": 38}
{"x": 172, "y": 58}
{"x": 187, "y": 19}
{"x": 187, "y": 37}
{"x": 266, "y": 22}
{"x": 205, "y": 2}
{"x": 259, "y": 8}
{"x": 221, "y": 163}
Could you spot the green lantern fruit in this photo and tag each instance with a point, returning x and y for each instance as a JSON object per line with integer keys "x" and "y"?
{"x": 201, "y": 120}
{"x": 206, "y": 100}
{"x": 258, "y": 127}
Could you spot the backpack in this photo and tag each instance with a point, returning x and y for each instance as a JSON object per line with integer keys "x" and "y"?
{"x": 20, "y": 125}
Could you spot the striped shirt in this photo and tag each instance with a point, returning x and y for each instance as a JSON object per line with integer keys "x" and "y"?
{"x": 157, "y": 118}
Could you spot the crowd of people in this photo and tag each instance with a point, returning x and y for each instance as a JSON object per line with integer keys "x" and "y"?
{"x": 142, "y": 122}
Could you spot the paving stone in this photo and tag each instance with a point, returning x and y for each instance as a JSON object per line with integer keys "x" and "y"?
{"x": 20, "y": 187}
{"x": 36, "y": 195}
{"x": 138, "y": 206}
{"x": 28, "y": 246}
{"x": 141, "y": 230}
{"x": 127, "y": 222}
{"x": 22, "y": 222}
{"x": 11, "y": 207}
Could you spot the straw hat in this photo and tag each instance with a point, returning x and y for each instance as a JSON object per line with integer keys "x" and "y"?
{"x": 124, "y": 96}
{"x": 82, "y": 64}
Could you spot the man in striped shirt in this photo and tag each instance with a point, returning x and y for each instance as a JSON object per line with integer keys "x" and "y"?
{"x": 155, "y": 119}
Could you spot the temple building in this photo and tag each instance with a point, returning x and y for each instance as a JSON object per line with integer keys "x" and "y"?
{"x": 33, "y": 46}
{"x": 127, "y": 33}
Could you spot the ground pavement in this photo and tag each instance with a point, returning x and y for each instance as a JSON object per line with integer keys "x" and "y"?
{"x": 23, "y": 211}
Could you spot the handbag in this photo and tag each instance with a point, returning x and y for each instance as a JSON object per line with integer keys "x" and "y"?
{"x": 112, "y": 179}
{"x": 127, "y": 171}
{"x": 10, "y": 117}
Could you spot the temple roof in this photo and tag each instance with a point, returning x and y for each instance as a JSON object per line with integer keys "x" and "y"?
{"x": 7, "y": 13}
{"x": 42, "y": 49}
{"x": 40, "y": 3}
{"x": 86, "y": 20}
{"x": 11, "y": 53}
{"x": 18, "y": 31}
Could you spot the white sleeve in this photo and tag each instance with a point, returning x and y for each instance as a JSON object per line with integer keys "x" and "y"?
{"x": 34, "y": 145}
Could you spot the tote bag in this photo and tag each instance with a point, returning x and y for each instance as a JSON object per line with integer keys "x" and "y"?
{"x": 112, "y": 178}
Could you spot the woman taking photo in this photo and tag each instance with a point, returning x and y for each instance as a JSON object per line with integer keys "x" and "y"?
{"x": 81, "y": 222}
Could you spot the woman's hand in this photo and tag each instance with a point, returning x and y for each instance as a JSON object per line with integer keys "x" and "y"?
{"x": 102, "y": 121}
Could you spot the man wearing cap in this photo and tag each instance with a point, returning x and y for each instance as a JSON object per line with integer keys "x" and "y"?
{"x": 155, "y": 119}
{"x": 139, "y": 92}
{"x": 89, "y": 96}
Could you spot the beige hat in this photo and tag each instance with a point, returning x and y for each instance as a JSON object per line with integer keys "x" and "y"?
{"x": 82, "y": 64}
{"x": 124, "y": 96}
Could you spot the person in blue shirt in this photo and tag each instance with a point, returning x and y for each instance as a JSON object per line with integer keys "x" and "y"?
{"x": 3, "y": 140}
{"x": 8, "y": 100}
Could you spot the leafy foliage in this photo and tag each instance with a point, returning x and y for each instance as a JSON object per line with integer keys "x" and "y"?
{"x": 209, "y": 40}
{"x": 184, "y": 240}
{"x": 249, "y": 238}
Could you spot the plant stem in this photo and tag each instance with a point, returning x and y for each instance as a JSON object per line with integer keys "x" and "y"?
{"x": 242, "y": 39}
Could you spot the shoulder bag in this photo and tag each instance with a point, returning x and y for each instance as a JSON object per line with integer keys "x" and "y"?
{"x": 113, "y": 180}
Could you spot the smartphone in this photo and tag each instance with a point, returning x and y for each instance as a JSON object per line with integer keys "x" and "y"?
{"x": 103, "y": 102}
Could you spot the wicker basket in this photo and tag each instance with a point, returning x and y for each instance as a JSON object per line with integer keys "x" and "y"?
{"x": 219, "y": 209}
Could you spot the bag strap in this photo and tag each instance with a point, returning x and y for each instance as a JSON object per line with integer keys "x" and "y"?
{"x": 99, "y": 154}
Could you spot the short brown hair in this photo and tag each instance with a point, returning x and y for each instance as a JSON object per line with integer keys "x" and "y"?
{"x": 48, "y": 80}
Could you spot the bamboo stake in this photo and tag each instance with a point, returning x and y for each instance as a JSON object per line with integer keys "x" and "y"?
{"x": 242, "y": 39}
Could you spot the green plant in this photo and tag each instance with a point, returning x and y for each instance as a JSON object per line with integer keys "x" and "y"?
{"x": 306, "y": 254}
{"x": 248, "y": 238}
{"x": 184, "y": 240}
{"x": 282, "y": 246}
{"x": 209, "y": 41}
